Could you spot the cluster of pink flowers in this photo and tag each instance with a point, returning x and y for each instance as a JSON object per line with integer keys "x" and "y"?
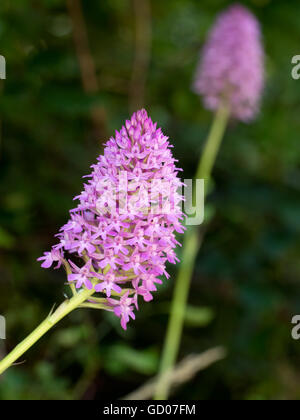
{"x": 231, "y": 65}
{"x": 121, "y": 251}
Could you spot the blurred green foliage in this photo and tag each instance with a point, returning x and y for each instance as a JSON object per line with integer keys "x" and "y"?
{"x": 246, "y": 283}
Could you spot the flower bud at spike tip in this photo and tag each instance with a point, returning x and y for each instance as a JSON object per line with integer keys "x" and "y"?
{"x": 231, "y": 67}
{"x": 123, "y": 229}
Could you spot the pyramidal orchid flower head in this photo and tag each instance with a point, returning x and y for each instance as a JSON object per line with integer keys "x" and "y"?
{"x": 121, "y": 234}
{"x": 231, "y": 66}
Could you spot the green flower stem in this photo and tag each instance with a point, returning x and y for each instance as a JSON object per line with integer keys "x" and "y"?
{"x": 175, "y": 325}
{"x": 64, "y": 309}
{"x": 95, "y": 306}
{"x": 191, "y": 247}
{"x": 213, "y": 142}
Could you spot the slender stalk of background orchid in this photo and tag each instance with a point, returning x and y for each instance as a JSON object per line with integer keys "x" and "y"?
{"x": 230, "y": 78}
{"x": 122, "y": 233}
{"x": 191, "y": 246}
{"x": 210, "y": 151}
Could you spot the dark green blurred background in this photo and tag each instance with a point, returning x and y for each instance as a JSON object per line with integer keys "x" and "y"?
{"x": 248, "y": 271}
